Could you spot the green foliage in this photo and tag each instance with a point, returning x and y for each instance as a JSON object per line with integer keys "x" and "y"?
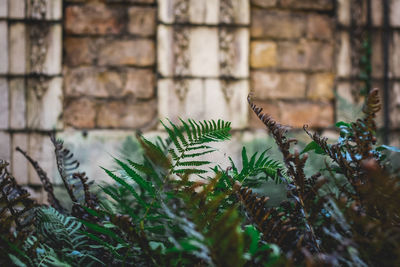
{"x": 175, "y": 207}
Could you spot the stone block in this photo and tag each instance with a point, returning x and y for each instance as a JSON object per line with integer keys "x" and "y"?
{"x": 348, "y": 106}
{"x": 41, "y": 149}
{"x": 80, "y": 113}
{"x": 142, "y": 21}
{"x": 126, "y": 114}
{"x": 275, "y": 85}
{"x": 19, "y": 163}
{"x": 203, "y": 100}
{"x": 3, "y": 8}
{"x": 344, "y": 12}
{"x": 138, "y": 52}
{"x": 94, "y": 18}
{"x": 140, "y": 83}
{"x": 395, "y": 55}
{"x": 45, "y": 49}
{"x": 395, "y": 106}
{"x": 16, "y": 9}
{"x": 208, "y": 12}
{"x": 17, "y": 48}
{"x": 100, "y": 82}
{"x": 17, "y": 103}
{"x": 4, "y": 54}
{"x": 316, "y": 115}
{"x": 277, "y": 24}
{"x": 264, "y": 3}
{"x": 80, "y": 51}
{"x": 47, "y": 10}
{"x": 202, "y": 51}
{"x": 263, "y": 54}
{"x": 377, "y": 11}
{"x": 320, "y": 27}
{"x": 4, "y": 104}
{"x": 376, "y": 56}
{"x": 5, "y": 146}
{"x": 308, "y": 4}
{"x": 321, "y": 86}
{"x": 343, "y": 61}
{"x": 303, "y": 55}
{"x": 44, "y": 104}
{"x": 395, "y": 13}
{"x": 227, "y": 101}
{"x": 93, "y": 149}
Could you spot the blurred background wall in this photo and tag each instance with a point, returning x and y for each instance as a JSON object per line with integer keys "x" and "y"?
{"x": 96, "y": 71}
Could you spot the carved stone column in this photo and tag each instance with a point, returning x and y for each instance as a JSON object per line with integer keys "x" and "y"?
{"x": 203, "y": 60}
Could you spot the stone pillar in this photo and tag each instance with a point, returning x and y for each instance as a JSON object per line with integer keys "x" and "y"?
{"x": 202, "y": 54}
{"x": 30, "y": 82}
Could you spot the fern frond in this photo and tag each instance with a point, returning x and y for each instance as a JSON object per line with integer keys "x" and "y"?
{"x": 190, "y": 141}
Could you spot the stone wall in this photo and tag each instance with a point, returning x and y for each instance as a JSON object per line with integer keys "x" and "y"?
{"x": 109, "y": 64}
{"x": 292, "y": 51}
{"x": 96, "y": 71}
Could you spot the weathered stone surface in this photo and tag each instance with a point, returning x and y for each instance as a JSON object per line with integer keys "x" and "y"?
{"x": 197, "y": 51}
{"x": 275, "y": 85}
{"x": 52, "y": 63}
{"x": 203, "y": 52}
{"x": 16, "y": 9}
{"x": 376, "y": 7}
{"x": 142, "y": 21}
{"x": 140, "y": 83}
{"x": 100, "y": 82}
{"x": 263, "y": 54}
{"x": 94, "y": 18}
{"x": 316, "y": 115}
{"x": 308, "y": 4}
{"x": 321, "y": 86}
{"x": 311, "y": 55}
{"x": 4, "y": 104}
{"x": 395, "y": 55}
{"x": 3, "y": 8}
{"x": 276, "y": 24}
{"x": 227, "y": 101}
{"x": 42, "y": 150}
{"x": 343, "y": 12}
{"x": 347, "y": 107}
{"x": 80, "y": 113}
{"x": 45, "y": 104}
{"x": 376, "y": 56}
{"x": 80, "y": 51}
{"x": 3, "y": 47}
{"x": 204, "y": 12}
{"x": 5, "y": 146}
{"x": 264, "y": 3}
{"x": 17, "y": 48}
{"x": 395, "y": 106}
{"x": 138, "y": 52}
{"x": 343, "y": 63}
{"x": 17, "y": 103}
{"x": 395, "y": 13}
{"x": 320, "y": 27}
{"x": 19, "y": 163}
{"x": 93, "y": 149}
{"x": 53, "y": 10}
{"x": 203, "y": 99}
{"x": 126, "y": 114}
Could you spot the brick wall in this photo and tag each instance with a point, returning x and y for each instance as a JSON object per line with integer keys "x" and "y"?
{"x": 292, "y": 52}
{"x": 109, "y": 63}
